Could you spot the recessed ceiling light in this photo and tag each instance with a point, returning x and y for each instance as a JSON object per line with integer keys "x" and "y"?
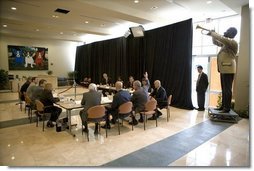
{"x": 55, "y": 16}
{"x": 37, "y": 30}
{"x": 13, "y": 8}
{"x": 136, "y": 1}
{"x": 86, "y": 22}
{"x": 61, "y": 32}
{"x": 154, "y": 7}
{"x": 209, "y": 2}
{"x": 4, "y": 25}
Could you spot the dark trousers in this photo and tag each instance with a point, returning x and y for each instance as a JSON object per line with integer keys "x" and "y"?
{"x": 55, "y": 112}
{"x": 226, "y": 86}
{"x": 201, "y": 99}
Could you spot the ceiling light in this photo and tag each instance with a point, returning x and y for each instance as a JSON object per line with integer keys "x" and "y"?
{"x": 61, "y": 32}
{"x": 154, "y": 7}
{"x": 13, "y": 8}
{"x": 37, "y": 30}
{"x": 4, "y": 25}
{"x": 86, "y": 22}
{"x": 136, "y": 1}
{"x": 55, "y": 16}
{"x": 209, "y": 2}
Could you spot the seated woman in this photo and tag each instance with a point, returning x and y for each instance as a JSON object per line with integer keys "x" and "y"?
{"x": 48, "y": 100}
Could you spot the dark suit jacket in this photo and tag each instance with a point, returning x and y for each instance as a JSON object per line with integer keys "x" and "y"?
{"x": 90, "y": 99}
{"x": 104, "y": 82}
{"x": 23, "y": 89}
{"x": 202, "y": 83}
{"x": 119, "y": 98}
{"x": 47, "y": 98}
{"x": 161, "y": 96}
{"x": 139, "y": 99}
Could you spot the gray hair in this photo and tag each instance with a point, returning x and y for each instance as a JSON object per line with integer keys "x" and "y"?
{"x": 137, "y": 83}
{"x": 92, "y": 86}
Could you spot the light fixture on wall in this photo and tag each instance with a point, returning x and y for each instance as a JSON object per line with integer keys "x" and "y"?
{"x": 127, "y": 33}
{"x": 137, "y": 31}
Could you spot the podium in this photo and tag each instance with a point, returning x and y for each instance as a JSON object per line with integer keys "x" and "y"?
{"x": 215, "y": 115}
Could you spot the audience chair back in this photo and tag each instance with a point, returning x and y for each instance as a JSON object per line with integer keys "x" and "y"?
{"x": 96, "y": 114}
{"x": 124, "y": 110}
{"x": 150, "y": 108}
{"x": 40, "y": 111}
{"x": 28, "y": 106}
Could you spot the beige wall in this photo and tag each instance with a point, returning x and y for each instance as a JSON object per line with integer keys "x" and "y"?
{"x": 243, "y": 65}
{"x": 61, "y": 54}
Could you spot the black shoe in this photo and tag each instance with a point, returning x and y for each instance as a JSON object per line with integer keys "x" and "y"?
{"x": 106, "y": 126}
{"x": 135, "y": 122}
{"x": 200, "y": 109}
{"x": 159, "y": 114}
{"x": 219, "y": 108}
{"x": 152, "y": 118}
{"x": 141, "y": 120}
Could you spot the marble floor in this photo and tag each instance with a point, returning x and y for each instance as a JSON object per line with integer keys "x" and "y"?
{"x": 27, "y": 145}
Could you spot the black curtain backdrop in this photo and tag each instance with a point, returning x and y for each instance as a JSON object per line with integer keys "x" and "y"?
{"x": 165, "y": 53}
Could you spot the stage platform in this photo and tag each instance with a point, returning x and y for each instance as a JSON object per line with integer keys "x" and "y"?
{"x": 215, "y": 115}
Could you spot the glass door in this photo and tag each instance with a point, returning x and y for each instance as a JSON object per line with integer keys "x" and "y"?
{"x": 215, "y": 86}
{"x": 209, "y": 64}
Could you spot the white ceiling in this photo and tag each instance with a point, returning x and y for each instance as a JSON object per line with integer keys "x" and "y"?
{"x": 106, "y": 18}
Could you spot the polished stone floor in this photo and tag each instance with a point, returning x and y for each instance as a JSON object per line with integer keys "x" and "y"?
{"x": 27, "y": 145}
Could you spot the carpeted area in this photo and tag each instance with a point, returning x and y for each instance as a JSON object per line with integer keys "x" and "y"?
{"x": 168, "y": 150}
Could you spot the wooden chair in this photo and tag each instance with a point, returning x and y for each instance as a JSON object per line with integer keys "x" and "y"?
{"x": 96, "y": 114}
{"x": 28, "y": 107}
{"x": 41, "y": 112}
{"x": 124, "y": 111}
{"x": 150, "y": 107}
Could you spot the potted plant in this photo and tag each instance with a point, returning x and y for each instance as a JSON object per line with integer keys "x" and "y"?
{"x": 71, "y": 77}
{"x": 49, "y": 72}
{"x": 4, "y": 79}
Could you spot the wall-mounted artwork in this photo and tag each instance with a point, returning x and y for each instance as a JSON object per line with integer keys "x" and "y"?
{"x": 27, "y": 58}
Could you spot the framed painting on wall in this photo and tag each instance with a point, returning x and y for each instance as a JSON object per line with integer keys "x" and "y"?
{"x": 27, "y": 58}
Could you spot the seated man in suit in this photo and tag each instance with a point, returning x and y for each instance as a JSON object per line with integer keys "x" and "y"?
{"x": 90, "y": 99}
{"x": 119, "y": 98}
{"x": 160, "y": 95}
{"x": 48, "y": 100}
{"x": 105, "y": 79}
{"x": 130, "y": 82}
{"x": 139, "y": 99}
{"x": 24, "y": 88}
{"x": 38, "y": 90}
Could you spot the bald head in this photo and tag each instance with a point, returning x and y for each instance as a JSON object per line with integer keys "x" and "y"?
{"x": 119, "y": 85}
{"x": 157, "y": 84}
